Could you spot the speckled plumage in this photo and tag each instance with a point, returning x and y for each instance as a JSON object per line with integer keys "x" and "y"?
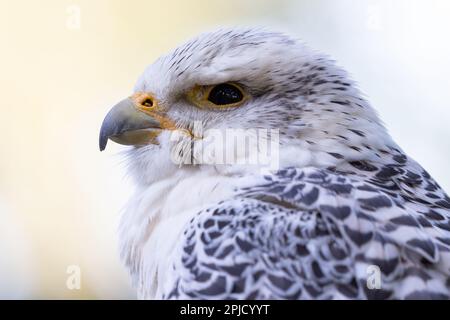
{"x": 346, "y": 196}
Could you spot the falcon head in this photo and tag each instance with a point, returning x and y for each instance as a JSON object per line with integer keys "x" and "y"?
{"x": 242, "y": 79}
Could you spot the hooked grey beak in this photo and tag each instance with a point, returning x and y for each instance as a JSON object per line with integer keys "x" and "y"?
{"x": 126, "y": 124}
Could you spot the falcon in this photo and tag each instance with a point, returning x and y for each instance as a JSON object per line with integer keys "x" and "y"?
{"x": 344, "y": 214}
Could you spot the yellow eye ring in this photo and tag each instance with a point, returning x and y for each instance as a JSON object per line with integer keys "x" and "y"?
{"x": 219, "y": 96}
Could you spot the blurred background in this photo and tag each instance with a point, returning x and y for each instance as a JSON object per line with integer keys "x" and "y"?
{"x": 65, "y": 63}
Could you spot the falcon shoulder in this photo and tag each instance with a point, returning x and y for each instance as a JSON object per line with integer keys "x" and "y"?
{"x": 315, "y": 234}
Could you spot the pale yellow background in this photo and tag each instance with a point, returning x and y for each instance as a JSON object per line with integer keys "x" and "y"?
{"x": 60, "y": 197}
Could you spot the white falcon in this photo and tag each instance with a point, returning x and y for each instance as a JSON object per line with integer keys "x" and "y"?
{"x": 347, "y": 214}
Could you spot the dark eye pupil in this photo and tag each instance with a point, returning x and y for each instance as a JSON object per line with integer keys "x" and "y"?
{"x": 223, "y": 94}
{"x": 148, "y": 102}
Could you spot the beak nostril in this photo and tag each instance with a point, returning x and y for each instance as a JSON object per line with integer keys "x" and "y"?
{"x": 147, "y": 102}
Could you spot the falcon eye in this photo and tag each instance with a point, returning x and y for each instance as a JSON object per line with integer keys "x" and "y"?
{"x": 147, "y": 102}
{"x": 224, "y": 94}
{"x": 221, "y": 96}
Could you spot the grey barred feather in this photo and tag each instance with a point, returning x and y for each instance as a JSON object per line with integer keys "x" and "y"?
{"x": 311, "y": 234}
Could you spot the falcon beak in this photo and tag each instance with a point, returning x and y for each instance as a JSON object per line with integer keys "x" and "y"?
{"x": 136, "y": 120}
